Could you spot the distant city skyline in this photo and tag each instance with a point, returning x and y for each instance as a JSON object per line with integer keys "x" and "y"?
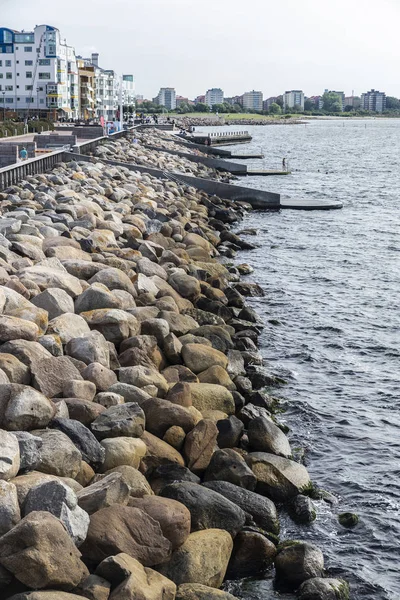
{"x": 269, "y": 46}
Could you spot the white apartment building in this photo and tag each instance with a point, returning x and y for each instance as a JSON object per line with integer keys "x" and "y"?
{"x": 106, "y": 89}
{"x": 374, "y": 101}
{"x": 253, "y": 100}
{"x": 167, "y": 97}
{"x": 128, "y": 90}
{"x": 293, "y": 98}
{"x": 38, "y": 73}
{"x": 214, "y": 96}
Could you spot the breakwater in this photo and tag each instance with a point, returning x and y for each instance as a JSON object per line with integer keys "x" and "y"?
{"x": 142, "y": 453}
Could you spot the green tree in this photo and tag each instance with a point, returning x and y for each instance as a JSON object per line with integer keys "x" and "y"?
{"x": 201, "y": 107}
{"x": 332, "y": 102}
{"x": 309, "y": 104}
{"x": 279, "y": 101}
{"x": 275, "y": 109}
{"x": 392, "y": 103}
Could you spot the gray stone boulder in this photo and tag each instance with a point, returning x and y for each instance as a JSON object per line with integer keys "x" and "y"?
{"x": 140, "y": 376}
{"x": 318, "y": 588}
{"x": 109, "y": 490}
{"x": 9, "y": 455}
{"x": 15, "y": 370}
{"x": 278, "y": 478}
{"x": 208, "y": 396}
{"x": 262, "y": 511}
{"x": 22, "y": 408}
{"x": 25, "y": 351}
{"x": 127, "y": 420}
{"x": 91, "y": 348}
{"x": 134, "y": 479}
{"x": 265, "y": 436}
{"x": 162, "y": 475}
{"x": 102, "y": 377}
{"x": 58, "y": 499}
{"x": 114, "y": 279}
{"x": 29, "y": 450}
{"x": 198, "y": 357}
{"x": 230, "y": 432}
{"x": 185, "y": 285}
{"x": 208, "y": 509}
{"x": 116, "y": 325}
{"x": 296, "y": 562}
{"x": 228, "y": 465}
{"x": 94, "y": 297}
{"x": 55, "y": 301}
{"x": 86, "y": 390}
{"x": 58, "y": 455}
{"x": 68, "y": 326}
{"x": 200, "y": 445}
{"x": 91, "y": 450}
{"x": 40, "y": 554}
{"x": 10, "y": 513}
{"x": 50, "y": 375}
{"x": 108, "y": 399}
{"x": 94, "y": 588}
{"x": 13, "y": 328}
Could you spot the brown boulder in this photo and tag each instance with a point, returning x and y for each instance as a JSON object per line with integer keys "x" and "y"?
{"x": 125, "y": 529}
{"x": 162, "y": 414}
{"x": 199, "y": 445}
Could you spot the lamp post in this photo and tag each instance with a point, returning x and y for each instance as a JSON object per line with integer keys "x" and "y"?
{"x": 37, "y": 100}
{"x": 4, "y": 107}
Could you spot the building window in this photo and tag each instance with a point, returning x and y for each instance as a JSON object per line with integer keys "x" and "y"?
{"x": 1, "y": 63}
{"x": 29, "y": 100}
{"x": 52, "y": 49}
{"x": 7, "y": 37}
{"x": 24, "y": 38}
{"x": 9, "y": 88}
{"x": 29, "y": 63}
{"x": 8, "y": 63}
{"x": 1, "y": 75}
{"x": 27, "y": 48}
{"x": 28, "y": 74}
{"x": 29, "y": 87}
{"x": 9, "y": 100}
{"x": 44, "y": 75}
{"x": 44, "y": 62}
{"x": 8, "y": 75}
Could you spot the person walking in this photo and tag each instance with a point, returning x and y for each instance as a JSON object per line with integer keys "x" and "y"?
{"x": 284, "y": 164}
{"x": 23, "y": 154}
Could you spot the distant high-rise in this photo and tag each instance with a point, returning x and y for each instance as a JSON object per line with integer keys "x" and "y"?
{"x": 167, "y": 97}
{"x": 253, "y": 100}
{"x": 374, "y": 101}
{"x": 293, "y": 98}
{"x": 214, "y": 96}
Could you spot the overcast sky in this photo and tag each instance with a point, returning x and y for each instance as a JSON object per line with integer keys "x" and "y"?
{"x": 238, "y": 45}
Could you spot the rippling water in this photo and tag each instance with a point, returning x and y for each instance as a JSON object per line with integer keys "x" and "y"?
{"x": 332, "y": 280}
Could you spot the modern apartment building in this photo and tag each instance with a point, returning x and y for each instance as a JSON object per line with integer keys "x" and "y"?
{"x": 253, "y": 100}
{"x": 374, "y": 101}
{"x": 214, "y": 96}
{"x": 38, "y": 73}
{"x": 128, "y": 90}
{"x": 104, "y": 95}
{"x": 167, "y": 97}
{"x": 87, "y": 87}
{"x": 292, "y": 99}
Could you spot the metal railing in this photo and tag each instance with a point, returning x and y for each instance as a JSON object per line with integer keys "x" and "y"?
{"x": 15, "y": 173}
{"x": 228, "y": 134}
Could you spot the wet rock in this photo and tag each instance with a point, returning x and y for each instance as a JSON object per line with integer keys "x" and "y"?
{"x": 261, "y": 510}
{"x": 200, "y": 445}
{"x": 125, "y": 529}
{"x": 58, "y": 499}
{"x": 348, "y": 519}
{"x": 40, "y": 554}
{"x": 229, "y": 432}
{"x": 126, "y": 420}
{"x": 173, "y": 517}
{"x": 106, "y": 492}
{"x": 29, "y": 450}
{"x": 55, "y": 301}
{"x": 203, "y": 559}
{"x": 228, "y": 465}
{"x": 252, "y": 554}
{"x": 324, "y": 589}
{"x": 265, "y": 436}
{"x": 208, "y": 509}
{"x": 278, "y": 478}
{"x": 10, "y": 513}
{"x": 197, "y": 591}
{"x": 24, "y": 408}
{"x": 302, "y": 510}
{"x": 297, "y": 562}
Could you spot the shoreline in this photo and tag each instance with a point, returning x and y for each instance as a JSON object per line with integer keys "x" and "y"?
{"x": 150, "y": 379}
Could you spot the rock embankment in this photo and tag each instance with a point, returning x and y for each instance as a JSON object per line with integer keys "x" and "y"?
{"x": 155, "y": 137}
{"x": 124, "y": 150}
{"x": 140, "y": 458}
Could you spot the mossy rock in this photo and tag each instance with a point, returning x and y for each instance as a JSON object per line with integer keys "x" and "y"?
{"x": 348, "y": 519}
